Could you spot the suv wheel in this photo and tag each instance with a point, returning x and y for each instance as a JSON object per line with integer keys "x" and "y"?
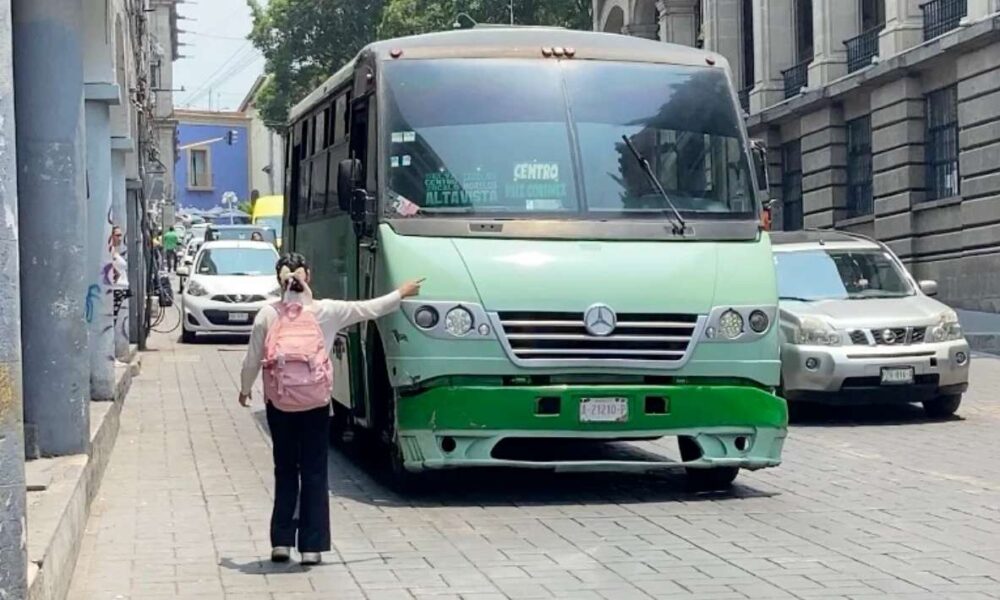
{"x": 942, "y": 407}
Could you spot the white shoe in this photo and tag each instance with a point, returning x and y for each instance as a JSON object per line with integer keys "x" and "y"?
{"x": 280, "y": 554}
{"x": 311, "y": 558}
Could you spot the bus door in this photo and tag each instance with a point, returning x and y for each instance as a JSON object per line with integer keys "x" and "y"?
{"x": 362, "y": 139}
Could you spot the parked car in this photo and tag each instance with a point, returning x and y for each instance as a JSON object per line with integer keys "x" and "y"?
{"x": 239, "y": 232}
{"x": 229, "y": 283}
{"x": 186, "y": 257}
{"x": 856, "y": 326}
{"x": 196, "y": 232}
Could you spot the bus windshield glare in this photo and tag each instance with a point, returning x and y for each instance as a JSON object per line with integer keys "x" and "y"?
{"x": 494, "y": 138}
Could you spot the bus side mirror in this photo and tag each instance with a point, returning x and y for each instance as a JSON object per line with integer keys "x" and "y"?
{"x": 759, "y": 152}
{"x": 348, "y": 182}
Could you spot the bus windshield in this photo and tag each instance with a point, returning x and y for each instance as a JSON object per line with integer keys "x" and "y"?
{"x": 497, "y": 138}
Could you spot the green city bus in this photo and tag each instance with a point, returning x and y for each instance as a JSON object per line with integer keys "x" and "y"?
{"x": 586, "y": 210}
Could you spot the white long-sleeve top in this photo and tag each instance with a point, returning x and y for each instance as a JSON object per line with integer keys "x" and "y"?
{"x": 332, "y": 315}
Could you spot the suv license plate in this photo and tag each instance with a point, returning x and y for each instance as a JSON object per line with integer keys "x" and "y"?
{"x": 897, "y": 375}
{"x": 603, "y": 410}
{"x": 239, "y": 317}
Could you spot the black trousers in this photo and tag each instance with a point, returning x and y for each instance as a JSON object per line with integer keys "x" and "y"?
{"x": 171, "y": 260}
{"x": 300, "y": 453}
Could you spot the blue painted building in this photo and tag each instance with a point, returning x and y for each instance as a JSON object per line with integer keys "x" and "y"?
{"x": 213, "y": 158}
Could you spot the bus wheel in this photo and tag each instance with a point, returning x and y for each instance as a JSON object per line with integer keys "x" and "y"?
{"x": 718, "y": 478}
{"x": 340, "y": 425}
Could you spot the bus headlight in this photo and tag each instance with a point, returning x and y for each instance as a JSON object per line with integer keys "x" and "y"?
{"x": 730, "y": 324}
{"x": 458, "y": 321}
{"x": 759, "y": 321}
{"x": 426, "y": 317}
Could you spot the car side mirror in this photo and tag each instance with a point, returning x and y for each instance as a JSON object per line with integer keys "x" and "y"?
{"x": 182, "y": 271}
{"x": 759, "y": 152}
{"x": 349, "y": 178}
{"x": 929, "y": 287}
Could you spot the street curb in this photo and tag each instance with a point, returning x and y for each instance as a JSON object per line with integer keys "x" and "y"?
{"x": 50, "y": 577}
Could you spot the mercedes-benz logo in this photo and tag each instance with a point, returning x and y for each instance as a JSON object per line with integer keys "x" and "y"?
{"x": 600, "y": 320}
{"x": 889, "y": 336}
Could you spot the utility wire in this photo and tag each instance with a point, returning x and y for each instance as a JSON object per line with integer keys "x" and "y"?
{"x": 220, "y": 76}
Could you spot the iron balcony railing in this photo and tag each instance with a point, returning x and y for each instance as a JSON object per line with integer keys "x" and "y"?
{"x": 941, "y": 16}
{"x": 862, "y": 49}
{"x": 745, "y": 98}
{"x": 795, "y": 78}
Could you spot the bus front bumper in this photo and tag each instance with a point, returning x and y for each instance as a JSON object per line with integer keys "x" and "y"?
{"x": 449, "y": 427}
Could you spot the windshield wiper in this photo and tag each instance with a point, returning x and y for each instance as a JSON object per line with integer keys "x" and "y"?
{"x": 680, "y": 226}
{"x": 796, "y": 298}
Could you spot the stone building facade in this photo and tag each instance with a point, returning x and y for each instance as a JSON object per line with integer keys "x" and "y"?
{"x": 881, "y": 116}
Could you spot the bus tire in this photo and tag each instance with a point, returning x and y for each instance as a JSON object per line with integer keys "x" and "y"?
{"x": 383, "y": 432}
{"x": 704, "y": 480}
{"x": 340, "y": 425}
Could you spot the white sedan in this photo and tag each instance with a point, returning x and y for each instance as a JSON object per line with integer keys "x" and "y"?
{"x": 228, "y": 284}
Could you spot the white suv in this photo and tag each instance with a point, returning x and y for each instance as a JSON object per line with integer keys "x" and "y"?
{"x": 856, "y": 327}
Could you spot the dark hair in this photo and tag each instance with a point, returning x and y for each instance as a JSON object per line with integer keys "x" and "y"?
{"x": 292, "y": 260}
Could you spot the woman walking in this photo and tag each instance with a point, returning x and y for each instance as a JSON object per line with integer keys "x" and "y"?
{"x": 291, "y": 340}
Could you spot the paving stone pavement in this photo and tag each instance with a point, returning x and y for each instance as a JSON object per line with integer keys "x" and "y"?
{"x": 870, "y": 503}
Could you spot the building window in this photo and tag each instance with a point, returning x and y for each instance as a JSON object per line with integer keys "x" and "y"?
{"x": 199, "y": 169}
{"x": 791, "y": 186}
{"x": 872, "y": 14}
{"x": 859, "y": 167}
{"x": 942, "y": 144}
{"x": 155, "y": 75}
{"x": 747, "y": 71}
{"x": 804, "y": 30}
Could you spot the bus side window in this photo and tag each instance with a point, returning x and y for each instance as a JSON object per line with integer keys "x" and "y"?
{"x": 359, "y": 122}
{"x": 371, "y": 162}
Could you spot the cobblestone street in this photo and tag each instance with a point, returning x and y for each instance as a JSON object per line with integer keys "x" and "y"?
{"x": 880, "y": 504}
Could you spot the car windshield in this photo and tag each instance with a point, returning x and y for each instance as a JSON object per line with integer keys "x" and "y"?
{"x": 271, "y": 222}
{"x": 236, "y": 261}
{"x": 809, "y": 275}
{"x": 242, "y": 233}
{"x": 512, "y": 138}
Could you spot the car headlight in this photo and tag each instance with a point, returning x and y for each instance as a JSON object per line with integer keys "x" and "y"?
{"x": 947, "y": 329}
{"x": 195, "y": 289}
{"x": 458, "y": 321}
{"x": 815, "y": 332}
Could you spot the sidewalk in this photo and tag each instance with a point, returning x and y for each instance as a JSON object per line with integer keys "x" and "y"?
{"x": 183, "y": 509}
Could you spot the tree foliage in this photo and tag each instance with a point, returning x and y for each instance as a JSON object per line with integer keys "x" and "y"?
{"x": 303, "y": 43}
{"x": 409, "y": 17}
{"x": 306, "y": 41}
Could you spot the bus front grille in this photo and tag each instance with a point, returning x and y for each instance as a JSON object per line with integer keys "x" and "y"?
{"x": 547, "y": 338}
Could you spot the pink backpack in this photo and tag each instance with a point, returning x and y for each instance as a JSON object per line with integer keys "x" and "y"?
{"x": 298, "y": 375}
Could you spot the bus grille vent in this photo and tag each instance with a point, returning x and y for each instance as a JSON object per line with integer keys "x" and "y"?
{"x": 546, "y": 337}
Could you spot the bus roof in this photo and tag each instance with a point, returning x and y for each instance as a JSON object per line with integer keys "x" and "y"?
{"x": 516, "y": 42}
{"x": 268, "y": 206}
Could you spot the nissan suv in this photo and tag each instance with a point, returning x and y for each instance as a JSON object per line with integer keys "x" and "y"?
{"x": 856, "y": 327}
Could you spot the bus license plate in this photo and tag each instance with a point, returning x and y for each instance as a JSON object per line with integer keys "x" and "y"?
{"x": 603, "y": 410}
{"x": 239, "y": 317}
{"x": 897, "y": 375}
